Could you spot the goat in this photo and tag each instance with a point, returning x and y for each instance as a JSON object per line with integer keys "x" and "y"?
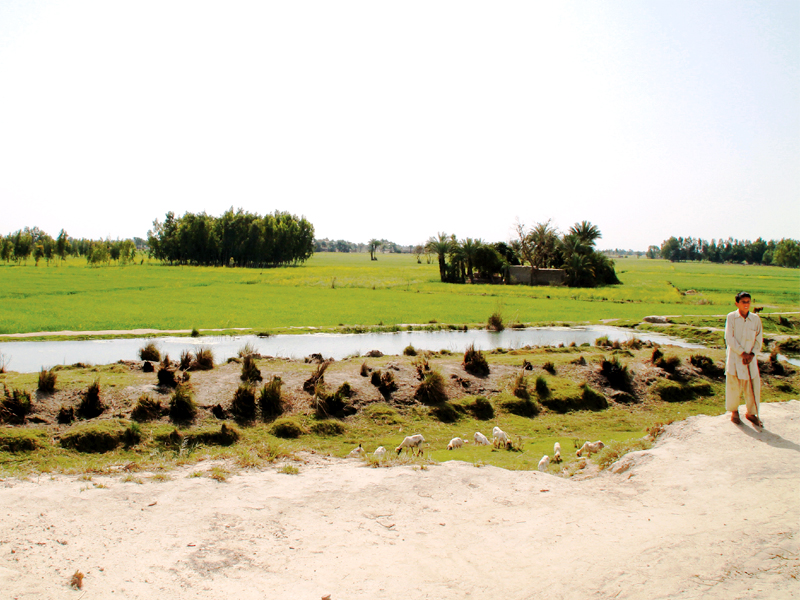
{"x": 412, "y": 442}
{"x": 557, "y": 452}
{"x": 590, "y": 448}
{"x": 380, "y": 453}
{"x": 544, "y": 463}
{"x": 356, "y": 452}
{"x": 499, "y": 438}
{"x": 480, "y": 439}
{"x": 456, "y": 442}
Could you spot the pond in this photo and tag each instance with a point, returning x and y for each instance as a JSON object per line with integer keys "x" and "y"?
{"x": 29, "y": 357}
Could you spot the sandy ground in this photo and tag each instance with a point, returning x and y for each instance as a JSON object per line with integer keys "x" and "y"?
{"x": 712, "y": 511}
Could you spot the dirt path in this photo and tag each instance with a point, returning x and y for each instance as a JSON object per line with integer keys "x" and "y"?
{"x": 711, "y": 511}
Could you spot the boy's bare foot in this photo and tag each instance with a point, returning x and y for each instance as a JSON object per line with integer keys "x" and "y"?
{"x": 735, "y": 418}
{"x": 754, "y": 420}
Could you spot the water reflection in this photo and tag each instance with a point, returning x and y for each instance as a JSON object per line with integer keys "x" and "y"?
{"x": 27, "y": 357}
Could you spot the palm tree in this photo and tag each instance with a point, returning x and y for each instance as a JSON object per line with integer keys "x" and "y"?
{"x": 469, "y": 248}
{"x": 373, "y": 245}
{"x": 440, "y": 246}
{"x": 543, "y": 240}
{"x": 586, "y": 233}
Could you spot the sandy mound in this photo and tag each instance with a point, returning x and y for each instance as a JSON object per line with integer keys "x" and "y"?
{"x": 712, "y": 511}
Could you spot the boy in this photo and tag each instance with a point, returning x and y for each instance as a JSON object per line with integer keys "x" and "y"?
{"x": 743, "y": 336}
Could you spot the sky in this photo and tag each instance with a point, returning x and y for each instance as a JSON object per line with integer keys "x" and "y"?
{"x": 399, "y": 120}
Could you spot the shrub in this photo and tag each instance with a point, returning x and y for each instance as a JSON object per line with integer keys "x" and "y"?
{"x": 150, "y": 352}
{"x": 549, "y": 367}
{"x": 270, "y": 400}
{"x": 47, "y": 381}
{"x": 495, "y": 322}
{"x": 287, "y": 428}
{"x": 673, "y": 391}
{"x": 227, "y": 435}
{"x": 317, "y": 376}
{"x": 147, "y": 367}
{"x": 480, "y": 408}
{"x": 445, "y": 412}
{"x": 203, "y": 360}
{"x": 475, "y": 362}
{"x": 166, "y": 376}
{"x": 588, "y": 399}
{"x": 542, "y": 390}
{"x": 195, "y": 333}
{"x": 520, "y": 386}
{"x": 432, "y": 388}
{"x": 409, "y": 351}
{"x": 789, "y": 345}
{"x": 182, "y": 407}
{"x": 328, "y": 428}
{"x": 243, "y": 405}
{"x": 250, "y": 371}
{"x": 21, "y": 440}
{"x": 94, "y": 437}
{"x": 91, "y": 405}
{"x": 186, "y": 360}
{"x": 14, "y": 406}
{"x": 146, "y": 409}
{"x": 387, "y": 383}
{"x": 616, "y": 374}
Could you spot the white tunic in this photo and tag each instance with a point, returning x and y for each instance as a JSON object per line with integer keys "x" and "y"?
{"x": 742, "y": 335}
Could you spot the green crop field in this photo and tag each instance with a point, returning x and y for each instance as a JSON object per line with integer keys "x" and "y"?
{"x": 335, "y": 290}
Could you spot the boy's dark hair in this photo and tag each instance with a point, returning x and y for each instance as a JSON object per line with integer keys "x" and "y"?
{"x": 741, "y": 295}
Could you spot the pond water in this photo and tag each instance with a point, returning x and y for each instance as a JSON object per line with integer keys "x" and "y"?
{"x": 29, "y": 357}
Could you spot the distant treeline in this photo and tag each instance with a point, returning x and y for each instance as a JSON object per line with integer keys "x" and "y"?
{"x": 783, "y": 253}
{"x": 32, "y": 242}
{"x": 385, "y": 246}
{"x": 235, "y": 239}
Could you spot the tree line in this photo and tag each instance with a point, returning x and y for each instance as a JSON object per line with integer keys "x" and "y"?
{"x": 236, "y": 238}
{"x": 541, "y": 247}
{"x": 32, "y": 242}
{"x": 783, "y": 253}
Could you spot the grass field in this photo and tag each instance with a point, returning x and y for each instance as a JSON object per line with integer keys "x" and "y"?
{"x": 334, "y": 290}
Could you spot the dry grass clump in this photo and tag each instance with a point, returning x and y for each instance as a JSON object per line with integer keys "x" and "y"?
{"x": 147, "y": 409}
{"x": 186, "y": 360}
{"x": 166, "y": 374}
{"x": 616, "y": 374}
{"x": 182, "y": 407}
{"x": 247, "y": 350}
{"x": 14, "y": 406}
{"x": 333, "y": 405}
{"x": 132, "y": 435}
{"x": 409, "y": 351}
{"x": 76, "y": 580}
{"x": 243, "y": 405}
{"x": 445, "y": 412}
{"x": 250, "y": 371}
{"x": 150, "y": 352}
{"x": 495, "y": 322}
{"x": 541, "y": 387}
{"x": 616, "y": 450}
{"x": 66, "y": 415}
{"x": 47, "y": 381}
{"x": 549, "y": 367}
{"x": 317, "y": 376}
{"x": 475, "y": 362}
{"x": 365, "y": 370}
{"x": 432, "y": 389}
{"x": 669, "y": 363}
{"x": 519, "y": 387}
{"x": 709, "y": 368}
{"x": 91, "y": 405}
{"x": 270, "y": 399}
{"x": 203, "y": 360}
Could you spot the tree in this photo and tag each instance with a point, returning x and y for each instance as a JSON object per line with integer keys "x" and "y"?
{"x": 787, "y": 254}
{"x": 586, "y": 233}
{"x": 440, "y": 246}
{"x": 62, "y": 243}
{"x": 373, "y": 246}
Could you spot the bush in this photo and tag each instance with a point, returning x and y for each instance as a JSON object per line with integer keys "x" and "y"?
{"x": 480, "y": 408}
{"x": 520, "y": 386}
{"x": 542, "y": 390}
{"x": 270, "y": 400}
{"x": 287, "y": 428}
{"x": 250, "y": 372}
{"x": 365, "y": 370}
{"x": 21, "y": 440}
{"x": 432, "y": 389}
{"x": 328, "y": 428}
{"x": 94, "y": 437}
{"x": 195, "y": 333}
{"x": 247, "y": 350}
{"x": 150, "y": 352}
{"x": 475, "y": 362}
{"x": 47, "y": 381}
{"x": 203, "y": 360}
{"x": 243, "y": 405}
{"x": 409, "y": 351}
{"x": 14, "y": 406}
{"x": 422, "y": 366}
{"x": 91, "y": 405}
{"x": 495, "y": 322}
{"x": 147, "y": 409}
{"x": 182, "y": 407}
{"x": 602, "y": 342}
{"x": 616, "y": 374}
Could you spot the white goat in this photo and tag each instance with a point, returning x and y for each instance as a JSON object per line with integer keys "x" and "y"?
{"x": 380, "y": 453}
{"x": 557, "y": 452}
{"x": 480, "y": 439}
{"x": 590, "y": 448}
{"x": 456, "y": 442}
{"x": 544, "y": 463}
{"x": 499, "y": 438}
{"x": 412, "y": 442}
{"x": 356, "y": 452}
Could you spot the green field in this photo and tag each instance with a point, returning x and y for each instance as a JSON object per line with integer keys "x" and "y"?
{"x": 334, "y": 290}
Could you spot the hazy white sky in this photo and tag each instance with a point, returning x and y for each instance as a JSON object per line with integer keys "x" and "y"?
{"x": 397, "y": 120}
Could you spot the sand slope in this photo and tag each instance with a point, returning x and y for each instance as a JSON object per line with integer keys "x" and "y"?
{"x": 712, "y": 511}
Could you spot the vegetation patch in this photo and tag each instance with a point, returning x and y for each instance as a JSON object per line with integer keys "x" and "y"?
{"x": 445, "y": 412}
{"x": 243, "y": 405}
{"x": 432, "y": 389}
{"x": 47, "y": 381}
{"x": 250, "y": 371}
{"x": 287, "y": 427}
{"x": 381, "y": 413}
{"x": 616, "y": 374}
{"x": 147, "y": 409}
{"x": 677, "y": 391}
{"x": 479, "y": 407}
{"x": 616, "y": 450}
{"x": 22, "y": 440}
{"x": 475, "y": 362}
{"x": 94, "y": 437}
{"x": 587, "y": 399}
{"x": 182, "y": 407}
{"x": 523, "y": 407}
{"x": 328, "y": 428}
{"x": 270, "y": 400}
{"x": 706, "y": 365}
{"x": 91, "y": 405}
{"x": 15, "y": 405}
{"x": 150, "y": 352}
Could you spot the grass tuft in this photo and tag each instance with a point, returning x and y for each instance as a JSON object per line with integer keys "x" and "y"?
{"x": 91, "y": 405}
{"x": 47, "y": 381}
{"x": 182, "y": 407}
{"x": 150, "y": 352}
{"x": 147, "y": 409}
{"x": 270, "y": 400}
{"x": 432, "y": 389}
{"x": 475, "y": 362}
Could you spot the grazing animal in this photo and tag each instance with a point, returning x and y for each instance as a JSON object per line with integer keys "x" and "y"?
{"x": 356, "y": 452}
{"x": 590, "y": 448}
{"x": 480, "y": 439}
{"x": 557, "y": 452}
{"x": 544, "y": 463}
{"x": 380, "y": 452}
{"x": 499, "y": 438}
{"x": 412, "y": 442}
{"x": 456, "y": 442}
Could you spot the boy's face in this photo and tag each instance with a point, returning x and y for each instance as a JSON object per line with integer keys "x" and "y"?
{"x": 743, "y": 305}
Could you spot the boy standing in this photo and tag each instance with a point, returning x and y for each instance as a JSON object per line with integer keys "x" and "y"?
{"x": 743, "y": 336}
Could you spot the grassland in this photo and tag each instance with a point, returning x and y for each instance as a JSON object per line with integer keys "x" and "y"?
{"x": 335, "y": 290}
